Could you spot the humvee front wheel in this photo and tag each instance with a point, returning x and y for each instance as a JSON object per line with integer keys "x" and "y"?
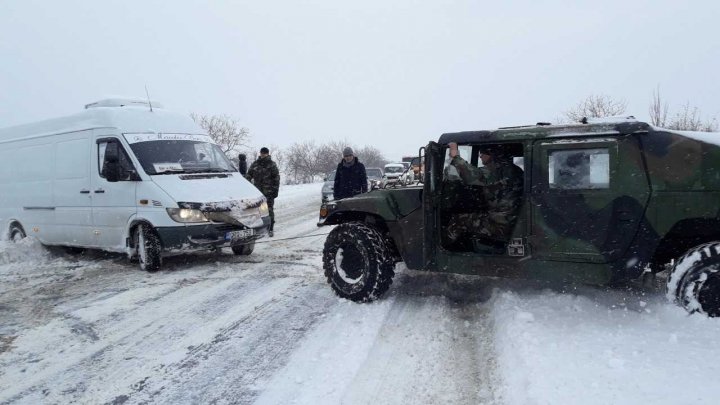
{"x": 694, "y": 281}
{"x": 357, "y": 262}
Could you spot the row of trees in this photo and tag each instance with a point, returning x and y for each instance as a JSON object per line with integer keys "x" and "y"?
{"x": 308, "y": 161}
{"x": 687, "y": 118}
{"x": 301, "y": 162}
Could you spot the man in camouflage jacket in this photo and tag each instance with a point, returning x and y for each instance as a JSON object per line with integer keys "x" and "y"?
{"x": 501, "y": 182}
{"x": 264, "y": 174}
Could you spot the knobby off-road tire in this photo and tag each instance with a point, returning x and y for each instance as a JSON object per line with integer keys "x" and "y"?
{"x": 694, "y": 281}
{"x": 357, "y": 261}
{"x": 15, "y": 233}
{"x": 244, "y": 250}
{"x": 147, "y": 248}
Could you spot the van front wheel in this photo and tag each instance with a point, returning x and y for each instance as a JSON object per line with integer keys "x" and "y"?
{"x": 148, "y": 248}
{"x": 244, "y": 250}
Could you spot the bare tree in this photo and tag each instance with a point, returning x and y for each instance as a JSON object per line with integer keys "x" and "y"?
{"x": 306, "y": 162}
{"x": 658, "y": 110}
{"x": 689, "y": 119}
{"x": 301, "y": 166}
{"x": 225, "y": 131}
{"x": 596, "y": 106}
{"x": 371, "y": 156}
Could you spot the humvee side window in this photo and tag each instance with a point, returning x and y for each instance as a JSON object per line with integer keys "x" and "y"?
{"x": 578, "y": 169}
{"x": 449, "y": 172}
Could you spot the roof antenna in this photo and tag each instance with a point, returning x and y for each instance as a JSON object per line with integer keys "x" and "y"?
{"x": 148, "y": 96}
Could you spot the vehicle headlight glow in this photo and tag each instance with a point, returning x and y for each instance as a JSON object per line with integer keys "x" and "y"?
{"x": 186, "y": 215}
{"x": 264, "y": 210}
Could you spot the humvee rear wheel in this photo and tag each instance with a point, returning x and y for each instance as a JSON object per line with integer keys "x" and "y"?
{"x": 694, "y": 281}
{"x": 357, "y": 262}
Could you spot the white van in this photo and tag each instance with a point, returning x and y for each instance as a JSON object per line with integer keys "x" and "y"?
{"x": 124, "y": 177}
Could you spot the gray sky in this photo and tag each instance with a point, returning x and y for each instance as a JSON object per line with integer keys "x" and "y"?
{"x": 392, "y": 74}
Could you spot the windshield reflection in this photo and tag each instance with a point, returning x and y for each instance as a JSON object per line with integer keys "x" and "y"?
{"x": 180, "y": 156}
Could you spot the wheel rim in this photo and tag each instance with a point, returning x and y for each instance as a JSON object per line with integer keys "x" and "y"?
{"x": 709, "y": 295}
{"x": 350, "y": 264}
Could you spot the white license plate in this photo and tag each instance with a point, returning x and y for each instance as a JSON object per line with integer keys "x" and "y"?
{"x": 241, "y": 234}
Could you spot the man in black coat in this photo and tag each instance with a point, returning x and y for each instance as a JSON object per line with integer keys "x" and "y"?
{"x": 350, "y": 176}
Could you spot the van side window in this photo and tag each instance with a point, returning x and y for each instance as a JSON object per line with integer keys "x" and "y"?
{"x": 115, "y": 148}
{"x": 579, "y": 169}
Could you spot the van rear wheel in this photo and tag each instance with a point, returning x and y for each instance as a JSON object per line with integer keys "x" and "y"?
{"x": 16, "y": 233}
{"x": 148, "y": 248}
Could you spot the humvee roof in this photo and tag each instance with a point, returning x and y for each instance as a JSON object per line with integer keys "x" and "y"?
{"x": 545, "y": 131}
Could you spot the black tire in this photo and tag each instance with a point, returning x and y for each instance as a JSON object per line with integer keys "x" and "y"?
{"x": 694, "y": 280}
{"x": 148, "y": 248}
{"x": 357, "y": 261}
{"x": 16, "y": 232}
{"x": 244, "y": 250}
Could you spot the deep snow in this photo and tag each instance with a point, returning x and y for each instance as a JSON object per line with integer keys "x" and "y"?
{"x": 267, "y": 329}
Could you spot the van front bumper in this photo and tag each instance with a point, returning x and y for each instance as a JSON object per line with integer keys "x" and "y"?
{"x": 207, "y": 236}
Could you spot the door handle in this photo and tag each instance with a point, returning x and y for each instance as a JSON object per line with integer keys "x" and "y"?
{"x": 84, "y": 191}
{"x": 99, "y": 191}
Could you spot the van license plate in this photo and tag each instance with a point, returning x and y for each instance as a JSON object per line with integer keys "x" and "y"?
{"x": 241, "y": 234}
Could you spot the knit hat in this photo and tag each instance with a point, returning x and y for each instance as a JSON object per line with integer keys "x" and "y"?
{"x": 348, "y": 151}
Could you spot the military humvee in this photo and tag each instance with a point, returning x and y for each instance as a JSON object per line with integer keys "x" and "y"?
{"x": 603, "y": 201}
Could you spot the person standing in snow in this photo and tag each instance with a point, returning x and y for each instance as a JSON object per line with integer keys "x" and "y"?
{"x": 242, "y": 164}
{"x": 264, "y": 174}
{"x": 350, "y": 176}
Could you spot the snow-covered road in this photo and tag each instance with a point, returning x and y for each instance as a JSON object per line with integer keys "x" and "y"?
{"x": 267, "y": 329}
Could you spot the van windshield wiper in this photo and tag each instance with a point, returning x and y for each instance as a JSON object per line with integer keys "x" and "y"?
{"x": 210, "y": 170}
{"x": 172, "y": 171}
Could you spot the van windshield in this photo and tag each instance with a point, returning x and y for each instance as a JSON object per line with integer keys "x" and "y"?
{"x": 178, "y": 153}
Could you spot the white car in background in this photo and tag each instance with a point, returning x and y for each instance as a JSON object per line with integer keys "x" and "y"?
{"x": 392, "y": 175}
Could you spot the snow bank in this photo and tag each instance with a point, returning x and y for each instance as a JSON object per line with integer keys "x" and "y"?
{"x": 609, "y": 349}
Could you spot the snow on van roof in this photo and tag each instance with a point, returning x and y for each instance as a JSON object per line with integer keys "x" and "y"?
{"x": 125, "y": 118}
{"x": 124, "y": 102}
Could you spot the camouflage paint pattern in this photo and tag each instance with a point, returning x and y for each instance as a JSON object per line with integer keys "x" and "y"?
{"x": 662, "y": 198}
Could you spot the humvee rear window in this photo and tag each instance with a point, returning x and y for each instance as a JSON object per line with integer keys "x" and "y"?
{"x": 578, "y": 169}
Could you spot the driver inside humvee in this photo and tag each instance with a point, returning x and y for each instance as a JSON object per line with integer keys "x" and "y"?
{"x": 481, "y": 197}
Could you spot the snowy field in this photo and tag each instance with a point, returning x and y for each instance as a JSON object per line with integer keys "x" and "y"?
{"x": 266, "y": 329}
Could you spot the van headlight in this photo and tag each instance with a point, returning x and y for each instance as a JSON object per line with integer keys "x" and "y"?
{"x": 186, "y": 215}
{"x": 264, "y": 210}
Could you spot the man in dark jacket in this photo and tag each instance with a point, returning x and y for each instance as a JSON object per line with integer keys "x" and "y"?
{"x": 350, "y": 176}
{"x": 264, "y": 174}
{"x": 242, "y": 164}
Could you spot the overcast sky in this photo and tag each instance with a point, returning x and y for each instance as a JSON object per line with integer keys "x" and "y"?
{"x": 392, "y": 74}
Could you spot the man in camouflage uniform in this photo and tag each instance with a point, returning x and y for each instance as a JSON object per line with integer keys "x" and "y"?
{"x": 502, "y": 188}
{"x": 264, "y": 174}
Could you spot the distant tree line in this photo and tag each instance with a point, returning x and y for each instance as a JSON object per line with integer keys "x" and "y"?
{"x": 687, "y": 118}
{"x": 301, "y": 162}
{"x": 308, "y": 161}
